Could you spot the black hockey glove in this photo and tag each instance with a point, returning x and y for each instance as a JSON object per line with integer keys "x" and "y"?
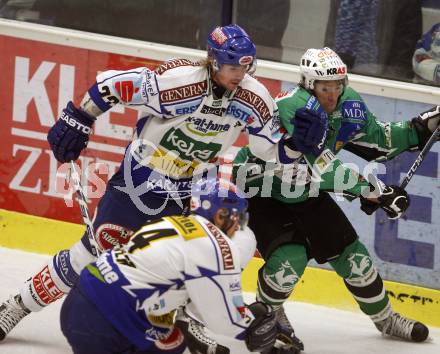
{"x": 310, "y": 131}
{"x": 262, "y": 332}
{"x": 287, "y": 342}
{"x": 196, "y": 339}
{"x": 70, "y": 134}
{"x": 393, "y": 200}
{"x": 425, "y": 124}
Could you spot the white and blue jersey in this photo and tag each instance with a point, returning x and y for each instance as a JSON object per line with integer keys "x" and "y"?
{"x": 185, "y": 127}
{"x": 168, "y": 262}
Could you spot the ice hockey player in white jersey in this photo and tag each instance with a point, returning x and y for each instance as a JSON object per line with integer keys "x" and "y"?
{"x": 194, "y": 111}
{"x": 126, "y": 300}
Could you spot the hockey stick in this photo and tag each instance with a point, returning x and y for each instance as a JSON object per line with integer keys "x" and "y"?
{"x": 371, "y": 208}
{"x": 435, "y": 135}
{"x": 84, "y": 209}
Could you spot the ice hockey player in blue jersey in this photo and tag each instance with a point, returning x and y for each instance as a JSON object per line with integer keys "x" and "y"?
{"x": 125, "y": 301}
{"x": 192, "y": 112}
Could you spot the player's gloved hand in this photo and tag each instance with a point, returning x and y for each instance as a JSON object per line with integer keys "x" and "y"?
{"x": 310, "y": 131}
{"x": 392, "y": 199}
{"x": 425, "y": 124}
{"x": 197, "y": 340}
{"x": 262, "y": 332}
{"x": 70, "y": 134}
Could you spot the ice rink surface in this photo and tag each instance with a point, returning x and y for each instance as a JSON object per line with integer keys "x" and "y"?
{"x": 323, "y": 330}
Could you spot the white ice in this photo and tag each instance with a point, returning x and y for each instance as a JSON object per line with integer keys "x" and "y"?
{"x": 323, "y": 330}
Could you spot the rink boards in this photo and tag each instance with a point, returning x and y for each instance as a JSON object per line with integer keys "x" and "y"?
{"x": 317, "y": 286}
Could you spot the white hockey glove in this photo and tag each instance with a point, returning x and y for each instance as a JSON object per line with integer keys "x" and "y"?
{"x": 196, "y": 338}
{"x": 425, "y": 124}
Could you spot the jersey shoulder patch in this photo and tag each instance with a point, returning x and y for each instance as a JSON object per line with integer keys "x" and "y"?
{"x": 187, "y": 226}
{"x": 174, "y": 63}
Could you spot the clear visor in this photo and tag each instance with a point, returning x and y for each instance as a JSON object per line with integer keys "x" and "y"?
{"x": 233, "y": 216}
{"x": 327, "y": 87}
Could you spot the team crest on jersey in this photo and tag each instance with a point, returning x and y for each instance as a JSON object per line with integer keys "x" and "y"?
{"x": 111, "y": 235}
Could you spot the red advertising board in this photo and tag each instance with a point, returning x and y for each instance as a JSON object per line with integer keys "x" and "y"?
{"x": 38, "y": 79}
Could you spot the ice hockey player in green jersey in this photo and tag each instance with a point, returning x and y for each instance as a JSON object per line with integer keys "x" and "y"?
{"x": 323, "y": 115}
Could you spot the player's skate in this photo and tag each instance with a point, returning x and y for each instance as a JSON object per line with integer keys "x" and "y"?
{"x": 11, "y": 312}
{"x": 287, "y": 338}
{"x": 401, "y": 327}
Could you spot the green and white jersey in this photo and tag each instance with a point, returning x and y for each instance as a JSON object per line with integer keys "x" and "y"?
{"x": 351, "y": 127}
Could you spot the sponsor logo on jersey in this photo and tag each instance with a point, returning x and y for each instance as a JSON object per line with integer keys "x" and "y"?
{"x": 149, "y": 86}
{"x": 188, "y": 227}
{"x": 171, "y": 64}
{"x": 111, "y": 235}
{"x": 168, "y": 163}
{"x": 105, "y": 269}
{"x": 212, "y": 110}
{"x": 255, "y": 101}
{"x": 204, "y": 127}
{"x": 235, "y": 285}
{"x": 188, "y": 148}
{"x": 126, "y": 90}
{"x": 186, "y": 109}
{"x": 225, "y": 250}
{"x": 45, "y": 287}
{"x": 240, "y": 112}
{"x": 324, "y": 160}
{"x": 183, "y": 92}
{"x": 354, "y": 112}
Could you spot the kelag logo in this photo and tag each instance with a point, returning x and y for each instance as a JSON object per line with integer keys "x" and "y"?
{"x": 188, "y": 148}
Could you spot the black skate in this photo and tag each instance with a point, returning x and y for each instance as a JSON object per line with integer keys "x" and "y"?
{"x": 401, "y": 327}
{"x": 11, "y": 312}
{"x": 287, "y": 341}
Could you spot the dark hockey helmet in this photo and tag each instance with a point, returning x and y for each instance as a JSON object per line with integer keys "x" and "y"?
{"x": 210, "y": 195}
{"x": 231, "y": 45}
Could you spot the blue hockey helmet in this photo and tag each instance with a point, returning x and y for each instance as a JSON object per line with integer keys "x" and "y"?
{"x": 231, "y": 45}
{"x": 210, "y": 195}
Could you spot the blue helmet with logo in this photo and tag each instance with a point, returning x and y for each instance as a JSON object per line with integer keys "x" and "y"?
{"x": 231, "y": 45}
{"x": 210, "y": 195}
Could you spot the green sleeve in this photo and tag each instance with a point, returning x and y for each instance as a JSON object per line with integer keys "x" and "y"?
{"x": 380, "y": 140}
{"x": 334, "y": 176}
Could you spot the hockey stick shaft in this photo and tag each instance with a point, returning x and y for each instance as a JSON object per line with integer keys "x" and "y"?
{"x": 82, "y": 201}
{"x": 409, "y": 175}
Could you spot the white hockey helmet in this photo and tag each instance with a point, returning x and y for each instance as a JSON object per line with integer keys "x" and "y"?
{"x": 321, "y": 64}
